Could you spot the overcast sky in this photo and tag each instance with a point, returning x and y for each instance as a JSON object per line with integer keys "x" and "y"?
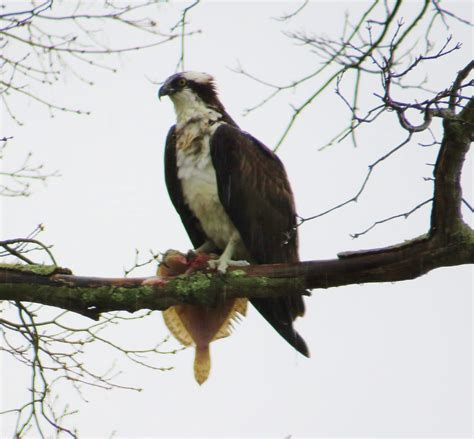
{"x": 387, "y": 359}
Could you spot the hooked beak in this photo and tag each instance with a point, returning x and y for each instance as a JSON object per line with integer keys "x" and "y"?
{"x": 164, "y": 90}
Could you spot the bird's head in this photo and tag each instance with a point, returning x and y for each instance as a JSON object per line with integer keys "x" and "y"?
{"x": 192, "y": 93}
{"x": 181, "y": 84}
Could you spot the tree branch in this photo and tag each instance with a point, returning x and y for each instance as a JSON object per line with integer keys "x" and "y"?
{"x": 91, "y": 296}
{"x": 446, "y": 217}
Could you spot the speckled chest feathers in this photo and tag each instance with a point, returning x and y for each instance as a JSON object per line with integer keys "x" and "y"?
{"x": 198, "y": 178}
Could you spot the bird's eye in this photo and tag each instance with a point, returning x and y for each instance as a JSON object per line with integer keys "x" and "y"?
{"x": 181, "y": 82}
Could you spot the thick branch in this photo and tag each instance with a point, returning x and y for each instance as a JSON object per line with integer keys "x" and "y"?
{"x": 458, "y": 133}
{"x": 90, "y": 296}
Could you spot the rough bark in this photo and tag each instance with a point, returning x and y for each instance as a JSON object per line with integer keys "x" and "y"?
{"x": 90, "y": 296}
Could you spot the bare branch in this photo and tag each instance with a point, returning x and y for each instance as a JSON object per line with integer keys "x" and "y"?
{"x": 457, "y": 85}
{"x": 181, "y": 24}
{"x": 290, "y": 15}
{"x": 390, "y": 218}
{"x": 17, "y": 182}
{"x": 31, "y": 54}
{"x": 53, "y": 349}
{"x": 466, "y": 203}
{"x": 360, "y": 51}
{"x": 81, "y": 294}
{"x": 355, "y": 197}
{"x": 442, "y": 12}
{"x": 138, "y": 263}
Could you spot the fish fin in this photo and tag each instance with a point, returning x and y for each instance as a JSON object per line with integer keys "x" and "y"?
{"x": 176, "y": 326}
{"x": 241, "y": 306}
{"x": 238, "y": 309}
{"x": 202, "y": 364}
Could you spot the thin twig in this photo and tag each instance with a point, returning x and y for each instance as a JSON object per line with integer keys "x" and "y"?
{"x": 390, "y": 218}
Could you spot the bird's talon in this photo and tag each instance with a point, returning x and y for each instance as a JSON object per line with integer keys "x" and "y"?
{"x": 222, "y": 265}
{"x": 222, "y": 268}
{"x": 213, "y": 264}
{"x": 241, "y": 263}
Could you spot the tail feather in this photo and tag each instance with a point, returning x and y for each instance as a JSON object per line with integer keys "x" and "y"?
{"x": 280, "y": 313}
{"x": 202, "y": 364}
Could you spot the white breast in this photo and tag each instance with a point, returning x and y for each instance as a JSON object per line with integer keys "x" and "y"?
{"x": 198, "y": 180}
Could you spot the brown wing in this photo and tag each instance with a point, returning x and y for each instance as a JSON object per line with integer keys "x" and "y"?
{"x": 173, "y": 184}
{"x": 255, "y": 192}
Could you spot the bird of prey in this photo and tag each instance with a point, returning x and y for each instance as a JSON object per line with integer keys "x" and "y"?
{"x": 231, "y": 192}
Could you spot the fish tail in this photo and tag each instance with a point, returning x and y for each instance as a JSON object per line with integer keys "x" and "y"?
{"x": 202, "y": 364}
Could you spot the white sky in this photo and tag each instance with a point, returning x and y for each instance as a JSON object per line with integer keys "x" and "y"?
{"x": 387, "y": 359}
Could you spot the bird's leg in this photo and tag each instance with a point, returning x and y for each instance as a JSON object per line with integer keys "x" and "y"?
{"x": 225, "y": 259}
{"x": 207, "y": 247}
{"x": 204, "y": 249}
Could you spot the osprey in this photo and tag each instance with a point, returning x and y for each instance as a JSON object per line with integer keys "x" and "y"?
{"x": 231, "y": 192}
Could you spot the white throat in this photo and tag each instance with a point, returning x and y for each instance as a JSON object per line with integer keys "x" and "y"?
{"x": 188, "y": 106}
